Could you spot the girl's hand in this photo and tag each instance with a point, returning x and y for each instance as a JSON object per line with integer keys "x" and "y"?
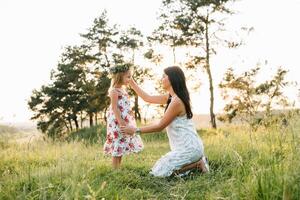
{"x": 127, "y": 130}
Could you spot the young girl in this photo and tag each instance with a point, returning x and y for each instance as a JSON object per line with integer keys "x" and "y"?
{"x": 120, "y": 114}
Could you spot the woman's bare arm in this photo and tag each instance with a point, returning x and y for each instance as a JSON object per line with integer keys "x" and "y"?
{"x": 174, "y": 109}
{"x": 156, "y": 99}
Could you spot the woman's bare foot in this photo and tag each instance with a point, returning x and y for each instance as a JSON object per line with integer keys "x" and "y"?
{"x": 202, "y": 165}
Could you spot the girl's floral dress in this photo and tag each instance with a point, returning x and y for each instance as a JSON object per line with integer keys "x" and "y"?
{"x": 116, "y": 143}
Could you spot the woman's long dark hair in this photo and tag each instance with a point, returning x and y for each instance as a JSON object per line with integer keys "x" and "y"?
{"x": 177, "y": 80}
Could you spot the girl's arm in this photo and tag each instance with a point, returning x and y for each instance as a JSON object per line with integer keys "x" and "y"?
{"x": 157, "y": 99}
{"x": 174, "y": 109}
{"x": 114, "y": 105}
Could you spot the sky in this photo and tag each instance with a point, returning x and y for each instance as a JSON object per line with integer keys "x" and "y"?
{"x": 33, "y": 34}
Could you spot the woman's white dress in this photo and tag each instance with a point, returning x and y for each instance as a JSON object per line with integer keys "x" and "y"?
{"x": 186, "y": 147}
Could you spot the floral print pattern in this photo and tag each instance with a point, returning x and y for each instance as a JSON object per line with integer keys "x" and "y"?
{"x": 116, "y": 143}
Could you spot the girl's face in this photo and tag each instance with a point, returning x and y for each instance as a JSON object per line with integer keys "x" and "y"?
{"x": 165, "y": 82}
{"x": 126, "y": 77}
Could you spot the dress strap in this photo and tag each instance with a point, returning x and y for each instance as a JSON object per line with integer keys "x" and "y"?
{"x": 118, "y": 90}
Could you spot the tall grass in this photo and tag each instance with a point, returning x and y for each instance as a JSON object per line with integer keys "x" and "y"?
{"x": 244, "y": 165}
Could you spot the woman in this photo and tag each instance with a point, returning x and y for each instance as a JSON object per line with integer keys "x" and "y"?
{"x": 187, "y": 151}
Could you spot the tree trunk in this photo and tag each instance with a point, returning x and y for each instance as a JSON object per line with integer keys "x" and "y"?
{"x": 81, "y": 119}
{"x": 66, "y": 124}
{"x": 133, "y": 55}
{"x": 70, "y": 122}
{"x": 91, "y": 119}
{"x": 174, "y": 55}
{"x": 207, "y": 67}
{"x": 96, "y": 116}
{"x": 137, "y": 113}
{"x": 105, "y": 110}
{"x": 76, "y": 123}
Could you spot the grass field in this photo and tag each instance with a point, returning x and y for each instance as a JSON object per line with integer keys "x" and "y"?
{"x": 264, "y": 164}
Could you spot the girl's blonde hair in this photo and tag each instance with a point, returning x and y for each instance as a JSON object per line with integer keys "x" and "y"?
{"x": 117, "y": 79}
{"x": 117, "y": 73}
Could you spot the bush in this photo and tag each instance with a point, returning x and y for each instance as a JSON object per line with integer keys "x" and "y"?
{"x": 90, "y": 135}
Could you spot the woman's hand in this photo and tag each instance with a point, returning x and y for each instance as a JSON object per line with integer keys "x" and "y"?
{"x": 128, "y": 130}
{"x": 131, "y": 81}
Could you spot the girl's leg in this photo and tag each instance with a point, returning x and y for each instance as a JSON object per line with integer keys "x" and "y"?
{"x": 120, "y": 159}
{"x": 116, "y": 162}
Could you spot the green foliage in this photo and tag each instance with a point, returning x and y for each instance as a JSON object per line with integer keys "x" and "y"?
{"x": 195, "y": 24}
{"x": 154, "y": 58}
{"x": 79, "y": 85}
{"x": 59, "y": 103}
{"x": 253, "y": 102}
{"x": 119, "y": 68}
{"x": 131, "y": 41}
{"x": 101, "y": 38}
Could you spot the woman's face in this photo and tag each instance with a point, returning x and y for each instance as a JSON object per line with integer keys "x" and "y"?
{"x": 127, "y": 77}
{"x": 165, "y": 82}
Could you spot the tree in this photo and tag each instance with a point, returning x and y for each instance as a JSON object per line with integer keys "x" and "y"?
{"x": 102, "y": 86}
{"x": 102, "y": 40}
{"x": 130, "y": 41}
{"x": 80, "y": 57}
{"x": 152, "y": 57}
{"x": 196, "y": 23}
{"x": 167, "y": 34}
{"x": 58, "y": 104}
{"x": 155, "y": 58}
{"x": 47, "y": 107}
{"x": 252, "y": 102}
